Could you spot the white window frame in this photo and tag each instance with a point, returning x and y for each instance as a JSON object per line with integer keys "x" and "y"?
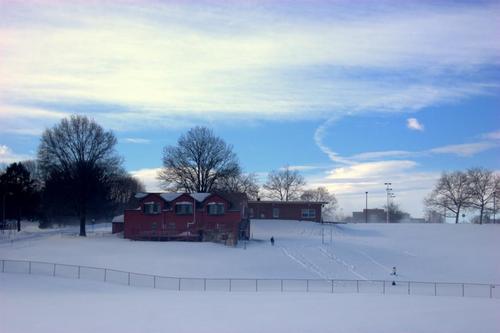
{"x": 151, "y": 208}
{"x": 184, "y": 212}
{"x": 276, "y": 213}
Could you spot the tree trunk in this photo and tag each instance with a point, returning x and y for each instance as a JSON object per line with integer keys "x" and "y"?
{"x": 481, "y": 215}
{"x": 82, "y": 223}
{"x": 457, "y": 216}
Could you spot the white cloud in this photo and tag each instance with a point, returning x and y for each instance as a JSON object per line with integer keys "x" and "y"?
{"x": 137, "y": 140}
{"x": 167, "y": 60}
{"x": 492, "y": 135}
{"x": 149, "y": 177}
{"x": 466, "y": 149}
{"x": 8, "y": 156}
{"x": 414, "y": 124}
{"x": 370, "y": 170}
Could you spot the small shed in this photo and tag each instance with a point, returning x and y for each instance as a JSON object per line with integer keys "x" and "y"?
{"x": 117, "y": 224}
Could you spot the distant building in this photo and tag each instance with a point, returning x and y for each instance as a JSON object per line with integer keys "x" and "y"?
{"x": 286, "y": 210}
{"x": 378, "y": 215}
{"x": 213, "y": 217}
{"x": 374, "y": 215}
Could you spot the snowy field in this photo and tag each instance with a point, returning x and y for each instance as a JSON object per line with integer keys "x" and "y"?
{"x": 53, "y": 305}
{"x": 436, "y": 253}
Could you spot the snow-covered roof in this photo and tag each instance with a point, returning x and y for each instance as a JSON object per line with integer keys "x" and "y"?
{"x": 200, "y": 196}
{"x": 140, "y": 195}
{"x": 184, "y": 203}
{"x": 117, "y": 219}
{"x": 170, "y": 196}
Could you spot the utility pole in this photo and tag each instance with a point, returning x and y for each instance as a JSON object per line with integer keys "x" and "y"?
{"x": 366, "y": 207}
{"x": 494, "y": 206}
{"x": 388, "y": 189}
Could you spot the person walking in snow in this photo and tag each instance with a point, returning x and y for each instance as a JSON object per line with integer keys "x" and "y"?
{"x": 272, "y": 240}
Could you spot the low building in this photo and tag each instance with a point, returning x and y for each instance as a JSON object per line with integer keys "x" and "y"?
{"x": 373, "y": 215}
{"x": 218, "y": 217}
{"x": 117, "y": 224}
{"x": 286, "y": 210}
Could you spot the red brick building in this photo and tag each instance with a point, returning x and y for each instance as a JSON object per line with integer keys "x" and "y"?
{"x": 188, "y": 216}
{"x": 286, "y": 210}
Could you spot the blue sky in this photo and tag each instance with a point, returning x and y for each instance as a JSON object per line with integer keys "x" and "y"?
{"x": 352, "y": 94}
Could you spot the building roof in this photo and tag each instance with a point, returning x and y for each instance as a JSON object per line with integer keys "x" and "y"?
{"x": 288, "y": 202}
{"x": 234, "y": 198}
{"x": 117, "y": 219}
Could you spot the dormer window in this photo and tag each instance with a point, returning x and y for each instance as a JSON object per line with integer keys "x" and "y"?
{"x": 215, "y": 208}
{"x": 151, "y": 208}
{"x": 184, "y": 208}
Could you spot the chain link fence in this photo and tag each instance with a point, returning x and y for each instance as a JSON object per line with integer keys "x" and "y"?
{"x": 250, "y": 285}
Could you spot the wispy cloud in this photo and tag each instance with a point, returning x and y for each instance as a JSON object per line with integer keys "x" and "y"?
{"x": 466, "y": 149}
{"x": 8, "y": 156}
{"x": 414, "y": 124}
{"x": 213, "y": 62}
{"x": 137, "y": 140}
{"x": 149, "y": 177}
{"x": 492, "y": 135}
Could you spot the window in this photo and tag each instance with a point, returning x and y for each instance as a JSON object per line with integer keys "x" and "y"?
{"x": 184, "y": 209}
{"x": 309, "y": 213}
{"x": 151, "y": 208}
{"x": 276, "y": 213}
{"x": 215, "y": 209}
{"x": 251, "y": 212}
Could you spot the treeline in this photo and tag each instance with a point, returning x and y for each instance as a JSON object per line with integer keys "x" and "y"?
{"x": 77, "y": 175}
{"x": 474, "y": 190}
{"x": 203, "y": 162}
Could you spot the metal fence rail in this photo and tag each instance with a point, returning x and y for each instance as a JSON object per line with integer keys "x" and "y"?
{"x": 250, "y": 285}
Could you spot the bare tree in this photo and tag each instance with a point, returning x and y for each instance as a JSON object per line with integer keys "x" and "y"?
{"x": 198, "y": 161}
{"x": 482, "y": 185}
{"x": 78, "y": 155}
{"x": 321, "y": 194}
{"x": 450, "y": 193}
{"x": 243, "y": 183}
{"x": 284, "y": 184}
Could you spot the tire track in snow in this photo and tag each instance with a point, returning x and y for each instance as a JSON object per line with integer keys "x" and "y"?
{"x": 305, "y": 263}
{"x": 350, "y": 268}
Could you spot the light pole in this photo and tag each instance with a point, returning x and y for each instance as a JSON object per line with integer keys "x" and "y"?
{"x": 366, "y": 207}
{"x": 494, "y": 206}
{"x": 388, "y": 189}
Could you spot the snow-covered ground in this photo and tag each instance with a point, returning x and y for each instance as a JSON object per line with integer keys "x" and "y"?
{"x": 45, "y": 304}
{"x": 421, "y": 252}
{"x": 451, "y": 253}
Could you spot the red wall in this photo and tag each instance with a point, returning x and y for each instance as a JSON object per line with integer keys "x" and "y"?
{"x": 287, "y": 210}
{"x": 168, "y": 223}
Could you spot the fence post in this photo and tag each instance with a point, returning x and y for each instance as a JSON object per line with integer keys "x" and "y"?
{"x": 129, "y": 278}
{"x": 332, "y": 286}
{"x": 307, "y": 285}
{"x": 79, "y": 272}
{"x": 256, "y": 285}
{"x": 3, "y": 266}
{"x": 105, "y": 273}
{"x": 29, "y": 269}
{"x": 205, "y": 284}
{"x": 281, "y": 285}
{"x": 383, "y": 288}
{"x": 54, "y": 272}
{"x": 357, "y": 286}
{"x": 435, "y": 289}
{"x": 179, "y": 286}
{"x": 463, "y": 289}
{"x": 154, "y": 281}
{"x": 491, "y": 291}
{"x": 230, "y": 285}
{"x": 408, "y": 287}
